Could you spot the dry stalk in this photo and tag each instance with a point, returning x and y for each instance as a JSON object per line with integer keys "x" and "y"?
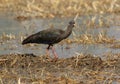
{"x": 108, "y": 78}
{"x": 1, "y": 81}
{"x": 2, "y": 60}
{"x": 14, "y": 61}
{"x": 42, "y": 72}
{"x": 77, "y": 58}
{"x": 76, "y": 63}
{"x": 19, "y": 81}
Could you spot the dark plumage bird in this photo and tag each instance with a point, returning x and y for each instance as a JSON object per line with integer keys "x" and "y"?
{"x": 50, "y": 37}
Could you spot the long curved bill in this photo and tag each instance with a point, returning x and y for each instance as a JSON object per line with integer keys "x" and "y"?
{"x": 75, "y": 18}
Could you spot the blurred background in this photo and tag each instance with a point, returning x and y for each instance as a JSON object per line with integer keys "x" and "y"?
{"x": 58, "y": 8}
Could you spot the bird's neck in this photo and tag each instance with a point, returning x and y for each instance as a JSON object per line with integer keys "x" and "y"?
{"x": 68, "y": 31}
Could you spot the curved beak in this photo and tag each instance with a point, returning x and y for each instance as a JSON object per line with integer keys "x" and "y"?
{"x": 75, "y": 18}
{"x": 75, "y": 25}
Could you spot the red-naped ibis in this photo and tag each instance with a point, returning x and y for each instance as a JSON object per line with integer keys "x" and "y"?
{"x": 50, "y": 37}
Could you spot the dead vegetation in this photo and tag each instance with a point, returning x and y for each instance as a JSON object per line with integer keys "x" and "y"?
{"x": 81, "y": 69}
{"x": 25, "y": 10}
{"x": 115, "y": 46}
{"x": 61, "y": 8}
{"x": 5, "y": 37}
{"x": 90, "y": 39}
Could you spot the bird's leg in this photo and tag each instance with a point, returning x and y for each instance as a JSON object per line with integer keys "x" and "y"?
{"x": 47, "y": 50}
{"x": 54, "y": 53}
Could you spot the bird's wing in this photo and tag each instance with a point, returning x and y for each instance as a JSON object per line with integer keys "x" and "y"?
{"x": 46, "y": 36}
{"x": 49, "y": 35}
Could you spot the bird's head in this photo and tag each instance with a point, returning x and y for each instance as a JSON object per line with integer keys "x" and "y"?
{"x": 72, "y": 22}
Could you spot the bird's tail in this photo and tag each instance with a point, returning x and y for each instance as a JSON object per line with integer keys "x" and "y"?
{"x": 27, "y": 40}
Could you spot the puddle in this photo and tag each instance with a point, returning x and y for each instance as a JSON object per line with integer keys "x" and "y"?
{"x": 10, "y": 26}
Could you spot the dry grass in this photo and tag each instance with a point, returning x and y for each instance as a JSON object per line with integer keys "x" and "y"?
{"x": 25, "y": 10}
{"x": 101, "y": 38}
{"x": 115, "y": 46}
{"x": 61, "y": 8}
{"x": 80, "y": 69}
{"x": 5, "y": 37}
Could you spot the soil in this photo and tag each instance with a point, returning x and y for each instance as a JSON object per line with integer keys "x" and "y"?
{"x": 81, "y": 69}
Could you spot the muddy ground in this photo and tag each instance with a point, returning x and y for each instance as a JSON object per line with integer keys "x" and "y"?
{"x": 81, "y": 69}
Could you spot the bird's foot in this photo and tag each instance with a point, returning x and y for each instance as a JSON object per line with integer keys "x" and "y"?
{"x": 49, "y": 59}
{"x": 47, "y": 56}
{"x": 54, "y": 60}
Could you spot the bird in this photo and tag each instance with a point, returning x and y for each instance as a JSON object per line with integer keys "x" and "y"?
{"x": 50, "y": 37}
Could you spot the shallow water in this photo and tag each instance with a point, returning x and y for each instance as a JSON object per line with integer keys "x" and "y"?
{"x": 8, "y": 25}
